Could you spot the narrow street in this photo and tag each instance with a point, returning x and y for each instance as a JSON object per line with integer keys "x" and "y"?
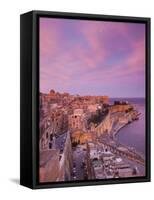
{"x": 78, "y": 158}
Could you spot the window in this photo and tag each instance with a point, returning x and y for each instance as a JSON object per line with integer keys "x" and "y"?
{"x": 51, "y": 137}
{"x": 50, "y": 145}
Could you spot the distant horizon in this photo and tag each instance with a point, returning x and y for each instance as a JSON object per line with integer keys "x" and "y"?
{"x": 93, "y": 95}
{"x": 92, "y": 58}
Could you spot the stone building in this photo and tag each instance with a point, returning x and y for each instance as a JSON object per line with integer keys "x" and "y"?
{"x": 54, "y": 124}
{"x": 92, "y": 108}
{"x": 56, "y": 165}
{"x": 80, "y": 137}
{"x": 121, "y": 108}
{"x": 105, "y": 99}
{"x": 77, "y": 120}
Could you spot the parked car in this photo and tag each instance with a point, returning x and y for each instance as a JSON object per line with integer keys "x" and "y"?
{"x": 74, "y": 169}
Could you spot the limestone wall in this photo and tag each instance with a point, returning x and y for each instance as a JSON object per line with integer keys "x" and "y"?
{"x": 115, "y": 119}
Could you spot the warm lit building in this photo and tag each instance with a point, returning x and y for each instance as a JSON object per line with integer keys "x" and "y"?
{"x": 77, "y": 120}
{"x": 105, "y": 99}
{"x": 81, "y": 137}
{"x": 120, "y": 108}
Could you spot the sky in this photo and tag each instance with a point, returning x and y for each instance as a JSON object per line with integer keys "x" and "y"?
{"x": 92, "y": 57}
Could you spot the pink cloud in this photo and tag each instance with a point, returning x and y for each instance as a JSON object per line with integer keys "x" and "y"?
{"x": 83, "y": 53}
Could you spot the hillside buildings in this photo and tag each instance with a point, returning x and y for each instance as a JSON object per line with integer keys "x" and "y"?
{"x": 76, "y": 139}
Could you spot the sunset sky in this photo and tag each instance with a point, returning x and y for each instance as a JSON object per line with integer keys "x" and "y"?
{"x": 92, "y": 57}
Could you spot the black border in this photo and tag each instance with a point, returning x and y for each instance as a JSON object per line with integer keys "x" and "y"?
{"x": 35, "y": 97}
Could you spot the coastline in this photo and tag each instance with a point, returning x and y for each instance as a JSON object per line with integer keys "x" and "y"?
{"x": 114, "y": 134}
{"x": 117, "y": 131}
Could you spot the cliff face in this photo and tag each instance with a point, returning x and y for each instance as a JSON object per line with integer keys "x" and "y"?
{"x": 118, "y": 116}
{"x": 104, "y": 127}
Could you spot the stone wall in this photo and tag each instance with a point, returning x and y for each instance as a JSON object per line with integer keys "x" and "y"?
{"x": 49, "y": 166}
{"x": 118, "y": 116}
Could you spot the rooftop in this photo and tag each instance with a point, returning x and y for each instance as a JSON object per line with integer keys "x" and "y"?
{"x": 47, "y": 155}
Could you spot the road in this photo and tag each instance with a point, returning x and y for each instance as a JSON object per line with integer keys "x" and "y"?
{"x": 78, "y": 157}
{"x": 123, "y": 150}
{"x": 60, "y": 141}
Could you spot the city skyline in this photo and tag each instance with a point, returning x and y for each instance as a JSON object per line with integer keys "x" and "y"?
{"x": 92, "y": 57}
{"x": 63, "y": 92}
